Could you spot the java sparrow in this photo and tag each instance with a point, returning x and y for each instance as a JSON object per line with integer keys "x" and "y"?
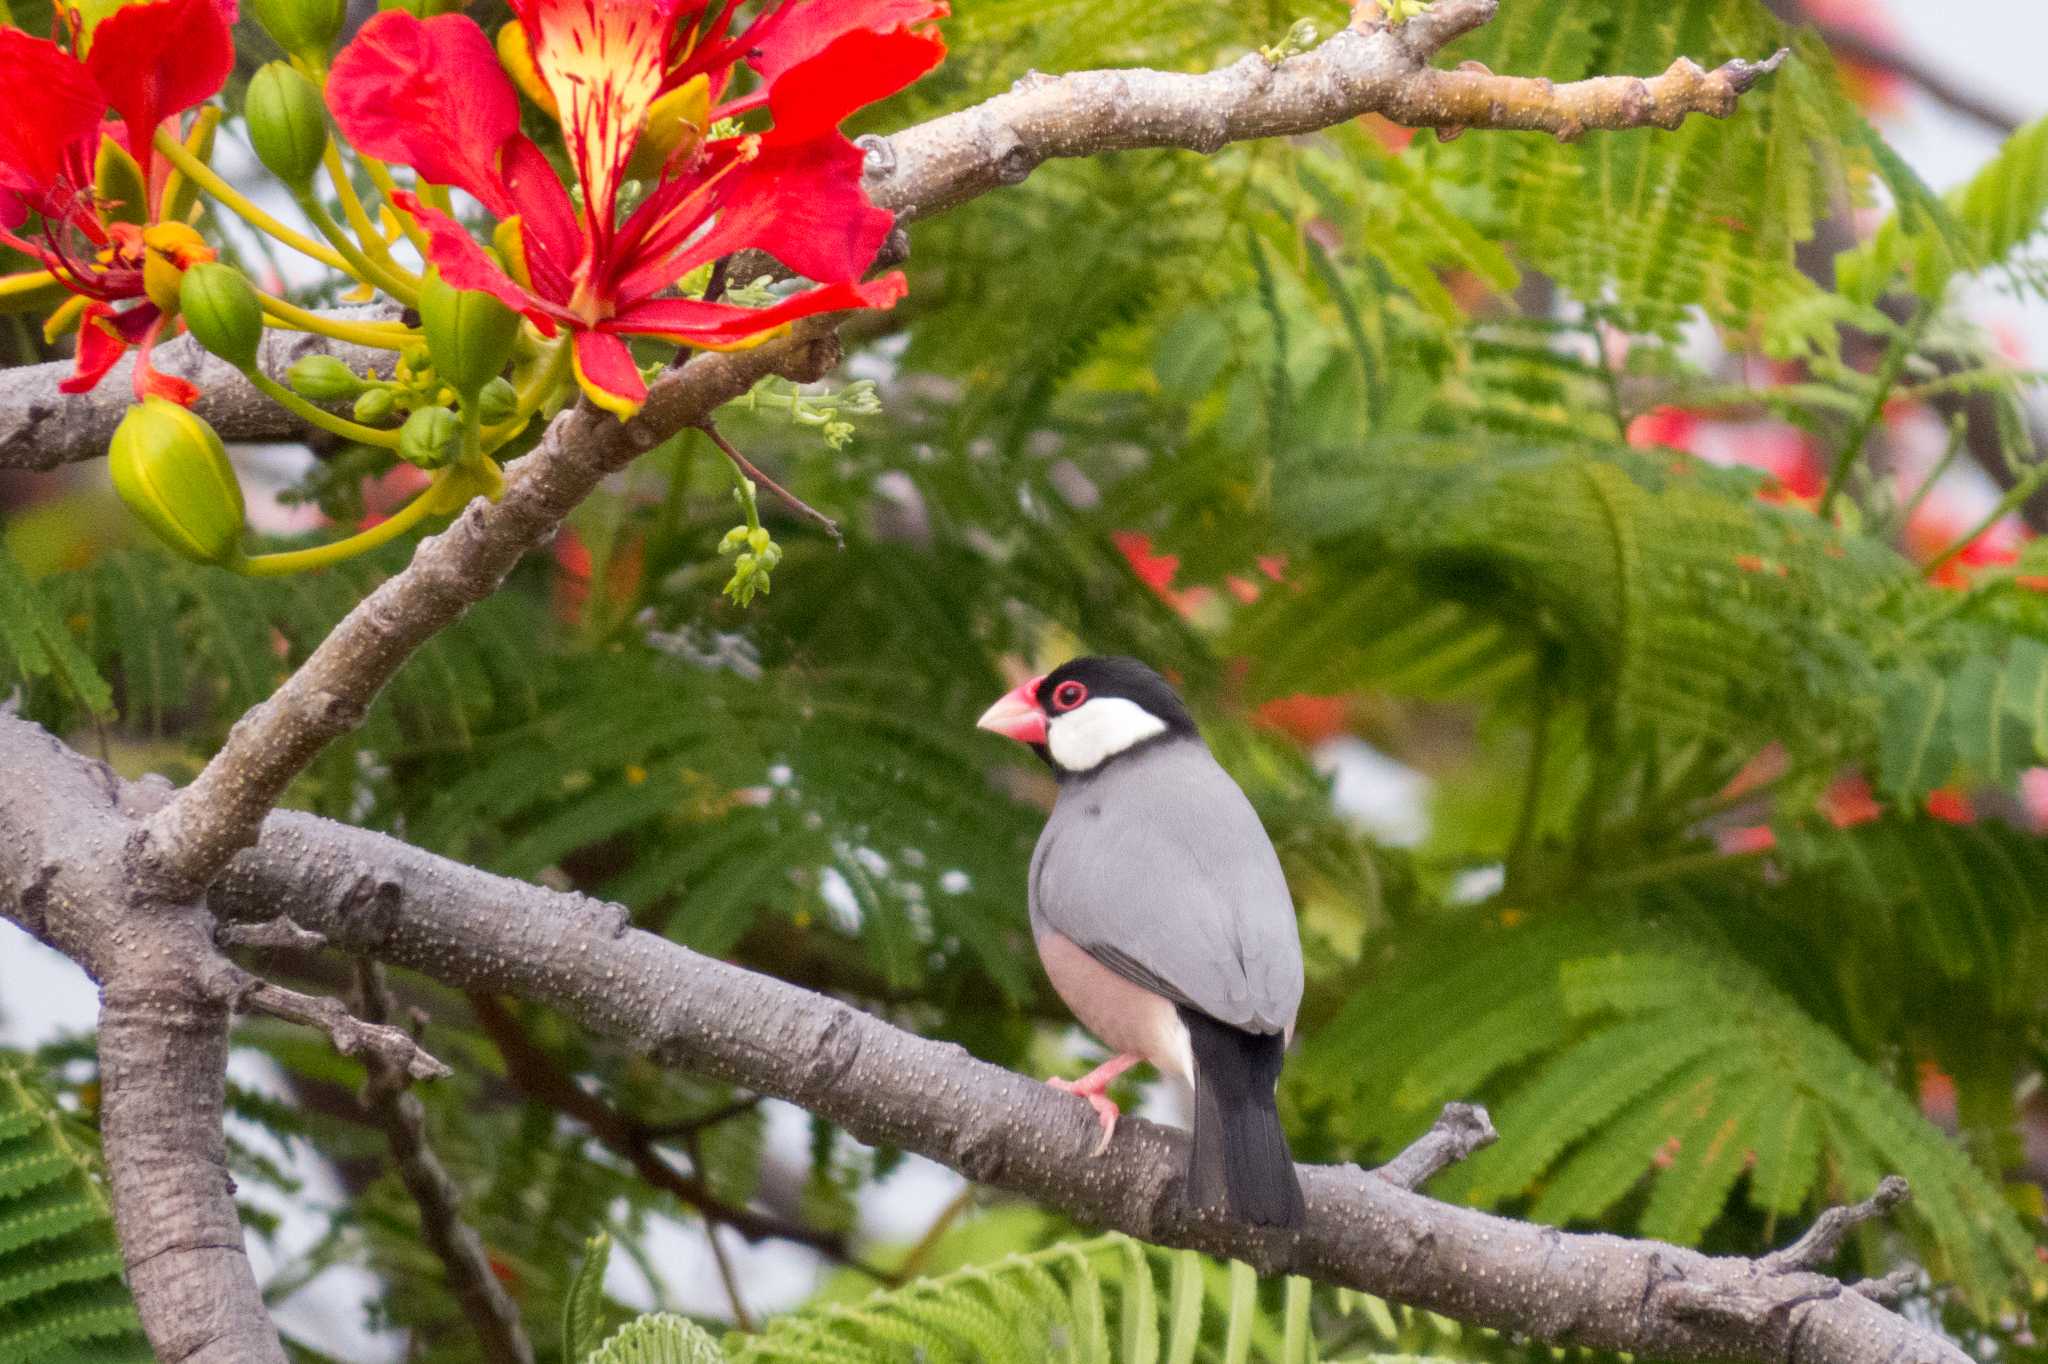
{"x": 1163, "y": 918}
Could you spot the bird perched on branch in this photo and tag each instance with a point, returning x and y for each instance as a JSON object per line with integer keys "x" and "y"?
{"x": 1163, "y": 919}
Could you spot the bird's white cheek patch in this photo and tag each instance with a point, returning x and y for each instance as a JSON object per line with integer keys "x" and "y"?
{"x": 1099, "y": 729}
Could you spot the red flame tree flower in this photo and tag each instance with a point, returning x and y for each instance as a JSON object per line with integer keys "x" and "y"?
{"x": 100, "y": 227}
{"x": 638, "y": 88}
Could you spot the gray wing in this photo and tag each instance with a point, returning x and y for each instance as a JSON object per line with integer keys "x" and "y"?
{"x": 1160, "y": 869}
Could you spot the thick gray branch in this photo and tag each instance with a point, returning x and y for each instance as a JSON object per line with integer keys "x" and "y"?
{"x": 41, "y": 428}
{"x": 66, "y": 829}
{"x": 391, "y": 1104}
{"x": 374, "y": 895}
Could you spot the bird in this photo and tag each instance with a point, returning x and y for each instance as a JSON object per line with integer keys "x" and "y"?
{"x": 1163, "y": 919}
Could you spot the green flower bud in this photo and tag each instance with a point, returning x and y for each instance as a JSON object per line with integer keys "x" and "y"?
{"x": 287, "y": 123}
{"x": 170, "y": 468}
{"x": 375, "y": 405}
{"x": 324, "y": 379}
{"x": 305, "y": 29}
{"x": 497, "y": 402}
{"x": 470, "y": 334}
{"x": 220, "y": 310}
{"x": 424, "y": 9}
{"x": 430, "y": 438}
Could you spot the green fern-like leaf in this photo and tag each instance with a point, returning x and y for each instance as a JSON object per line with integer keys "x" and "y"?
{"x": 662, "y": 1338}
{"x": 62, "y": 1297}
{"x": 1671, "y": 1070}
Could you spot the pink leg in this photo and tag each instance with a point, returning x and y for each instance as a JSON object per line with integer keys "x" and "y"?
{"x": 1091, "y": 1087}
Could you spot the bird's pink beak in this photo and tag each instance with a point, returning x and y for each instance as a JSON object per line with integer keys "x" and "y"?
{"x": 1017, "y": 715}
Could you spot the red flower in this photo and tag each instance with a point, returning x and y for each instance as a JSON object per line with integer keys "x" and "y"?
{"x": 1951, "y": 804}
{"x": 1848, "y": 802}
{"x": 635, "y": 85}
{"x": 150, "y": 62}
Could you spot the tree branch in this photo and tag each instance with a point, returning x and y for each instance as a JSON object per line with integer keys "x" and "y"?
{"x": 190, "y": 839}
{"x": 391, "y": 1104}
{"x": 374, "y": 895}
{"x": 534, "y": 1073}
{"x": 41, "y": 428}
{"x": 1366, "y": 68}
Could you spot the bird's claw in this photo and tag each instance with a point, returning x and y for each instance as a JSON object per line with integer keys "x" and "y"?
{"x": 1105, "y": 1108}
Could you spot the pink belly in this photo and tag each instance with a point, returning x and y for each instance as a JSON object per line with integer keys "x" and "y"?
{"x": 1126, "y": 1016}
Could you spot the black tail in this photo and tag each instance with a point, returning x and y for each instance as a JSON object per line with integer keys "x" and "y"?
{"x": 1240, "y": 1158}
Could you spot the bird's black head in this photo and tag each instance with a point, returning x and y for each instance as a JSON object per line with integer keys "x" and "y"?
{"x": 1084, "y": 713}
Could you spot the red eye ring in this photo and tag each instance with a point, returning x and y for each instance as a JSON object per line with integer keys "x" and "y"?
{"x": 1068, "y": 695}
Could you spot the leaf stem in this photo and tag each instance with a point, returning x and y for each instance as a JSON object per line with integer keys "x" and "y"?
{"x": 322, "y": 556}
{"x": 1888, "y": 370}
{"x": 320, "y": 416}
{"x": 377, "y": 335}
{"x": 359, "y": 265}
{"x": 795, "y": 503}
{"x": 233, "y": 199}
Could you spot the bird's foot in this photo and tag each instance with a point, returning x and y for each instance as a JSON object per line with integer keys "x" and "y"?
{"x": 1092, "y": 1086}
{"x": 1105, "y": 1108}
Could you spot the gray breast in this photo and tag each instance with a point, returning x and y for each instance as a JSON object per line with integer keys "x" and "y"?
{"x": 1159, "y": 868}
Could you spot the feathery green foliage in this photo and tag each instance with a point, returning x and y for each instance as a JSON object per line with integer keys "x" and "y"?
{"x": 1373, "y": 402}
{"x": 62, "y": 1299}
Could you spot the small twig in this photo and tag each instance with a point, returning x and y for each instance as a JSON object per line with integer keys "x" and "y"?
{"x": 714, "y": 288}
{"x": 1938, "y": 87}
{"x": 1887, "y": 377}
{"x": 536, "y": 1075}
{"x": 270, "y": 934}
{"x": 1891, "y": 1287}
{"x": 1457, "y": 1132}
{"x": 1818, "y": 1246}
{"x": 376, "y": 1043}
{"x": 747, "y": 466}
{"x": 486, "y": 1305}
{"x": 685, "y": 1127}
{"x": 740, "y": 1316}
{"x": 913, "y": 1263}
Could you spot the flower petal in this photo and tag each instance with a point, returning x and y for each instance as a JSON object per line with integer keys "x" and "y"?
{"x": 794, "y": 33}
{"x": 815, "y": 90}
{"x": 159, "y": 58}
{"x": 43, "y": 137}
{"x": 466, "y": 265}
{"x": 603, "y": 60}
{"x": 803, "y": 204}
{"x": 100, "y": 348}
{"x": 429, "y": 94}
{"x": 607, "y": 374}
{"x": 548, "y": 221}
{"x": 718, "y": 325}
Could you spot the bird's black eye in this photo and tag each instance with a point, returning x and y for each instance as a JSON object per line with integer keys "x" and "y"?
{"x": 1068, "y": 695}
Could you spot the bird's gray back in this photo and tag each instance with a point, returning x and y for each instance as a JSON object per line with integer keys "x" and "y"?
{"x": 1158, "y": 867}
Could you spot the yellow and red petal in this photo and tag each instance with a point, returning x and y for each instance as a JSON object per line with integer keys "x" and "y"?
{"x": 606, "y": 373}
{"x": 101, "y": 345}
{"x": 430, "y": 94}
{"x": 603, "y": 60}
{"x": 694, "y": 322}
{"x": 45, "y": 137}
{"x": 551, "y": 235}
{"x": 159, "y": 58}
